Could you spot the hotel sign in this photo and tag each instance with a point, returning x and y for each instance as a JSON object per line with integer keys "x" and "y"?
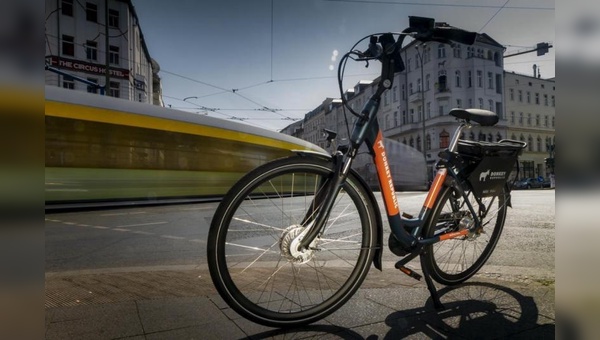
{"x": 82, "y": 66}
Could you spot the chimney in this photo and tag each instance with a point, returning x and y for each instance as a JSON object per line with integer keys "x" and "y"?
{"x": 534, "y": 70}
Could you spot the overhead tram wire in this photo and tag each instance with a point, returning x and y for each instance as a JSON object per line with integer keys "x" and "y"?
{"x": 407, "y": 3}
{"x": 493, "y": 16}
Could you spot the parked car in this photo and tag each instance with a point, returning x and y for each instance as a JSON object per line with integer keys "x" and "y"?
{"x": 531, "y": 183}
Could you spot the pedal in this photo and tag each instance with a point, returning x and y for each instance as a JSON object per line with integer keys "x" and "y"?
{"x": 409, "y": 272}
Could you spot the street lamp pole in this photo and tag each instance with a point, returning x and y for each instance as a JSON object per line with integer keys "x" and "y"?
{"x": 422, "y": 90}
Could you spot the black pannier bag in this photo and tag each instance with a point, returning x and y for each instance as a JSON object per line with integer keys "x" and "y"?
{"x": 488, "y": 166}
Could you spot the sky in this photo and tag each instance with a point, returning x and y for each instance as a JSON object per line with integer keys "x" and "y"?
{"x": 269, "y": 62}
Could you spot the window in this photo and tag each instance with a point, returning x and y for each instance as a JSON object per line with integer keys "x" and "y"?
{"x": 90, "y": 88}
{"x": 428, "y": 142}
{"x": 511, "y": 93}
{"x": 91, "y": 50}
{"x": 444, "y": 139}
{"x": 528, "y": 97}
{"x": 491, "y": 105}
{"x": 419, "y": 85}
{"x": 546, "y": 99}
{"x": 441, "y": 51}
{"x": 404, "y": 118}
{"x": 520, "y": 118}
{"x": 113, "y": 55}
{"x": 113, "y": 18}
{"x": 412, "y": 116}
{"x": 68, "y": 83}
{"x": 521, "y": 96}
{"x": 529, "y": 119}
{"x": 470, "y": 103}
{"x": 395, "y": 93}
{"x": 470, "y": 79}
{"x": 410, "y": 88}
{"x": 114, "y": 90}
{"x": 403, "y": 92}
{"x": 479, "y": 78}
{"x": 499, "y": 83}
{"x": 457, "y": 78}
{"x": 459, "y": 103}
{"x": 530, "y": 143}
{"x": 457, "y": 51}
{"x": 546, "y": 121}
{"x": 481, "y": 103}
{"x": 66, "y": 7}
{"x": 553, "y": 101}
{"x": 395, "y": 118}
{"x": 91, "y": 12}
{"x": 537, "y": 98}
{"x": 428, "y": 109}
{"x": 480, "y": 53}
{"x": 427, "y": 82}
{"x": 539, "y": 144}
{"x": 512, "y": 117}
{"x": 68, "y": 45}
{"x": 490, "y": 80}
{"x": 408, "y": 65}
{"x": 412, "y": 142}
{"x": 537, "y": 120}
{"x": 470, "y": 52}
{"x": 497, "y": 59}
{"x": 419, "y": 143}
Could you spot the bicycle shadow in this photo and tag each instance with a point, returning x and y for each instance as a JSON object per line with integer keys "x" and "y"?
{"x": 308, "y": 332}
{"x": 472, "y": 310}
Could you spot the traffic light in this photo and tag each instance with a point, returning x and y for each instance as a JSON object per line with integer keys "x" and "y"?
{"x": 542, "y": 48}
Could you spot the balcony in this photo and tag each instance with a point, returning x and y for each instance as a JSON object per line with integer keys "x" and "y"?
{"x": 442, "y": 92}
{"x": 414, "y": 97}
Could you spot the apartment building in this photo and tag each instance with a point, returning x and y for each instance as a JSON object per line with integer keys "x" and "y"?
{"x": 101, "y": 42}
{"x": 530, "y": 111}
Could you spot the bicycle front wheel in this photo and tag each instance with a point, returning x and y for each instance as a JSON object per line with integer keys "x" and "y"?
{"x": 253, "y": 256}
{"x": 455, "y": 260}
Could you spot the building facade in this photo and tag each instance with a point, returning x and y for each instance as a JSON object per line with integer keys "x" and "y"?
{"x": 101, "y": 42}
{"x": 530, "y": 111}
{"x": 439, "y": 77}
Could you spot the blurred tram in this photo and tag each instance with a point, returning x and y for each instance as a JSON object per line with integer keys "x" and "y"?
{"x": 102, "y": 150}
{"x": 407, "y": 166}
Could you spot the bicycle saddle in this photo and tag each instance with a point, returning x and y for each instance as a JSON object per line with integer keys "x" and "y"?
{"x": 483, "y": 117}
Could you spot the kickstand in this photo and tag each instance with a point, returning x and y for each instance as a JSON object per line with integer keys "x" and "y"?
{"x": 432, "y": 290}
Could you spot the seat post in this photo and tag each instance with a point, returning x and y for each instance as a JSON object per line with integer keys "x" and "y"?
{"x": 456, "y": 136}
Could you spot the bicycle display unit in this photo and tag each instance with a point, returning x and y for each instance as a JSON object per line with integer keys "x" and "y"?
{"x": 294, "y": 239}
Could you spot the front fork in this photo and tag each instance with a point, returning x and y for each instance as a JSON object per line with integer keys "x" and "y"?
{"x": 325, "y": 199}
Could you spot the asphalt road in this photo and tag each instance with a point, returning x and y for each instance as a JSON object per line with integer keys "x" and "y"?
{"x": 174, "y": 236}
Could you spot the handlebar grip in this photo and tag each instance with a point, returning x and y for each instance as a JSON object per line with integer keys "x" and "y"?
{"x": 454, "y": 34}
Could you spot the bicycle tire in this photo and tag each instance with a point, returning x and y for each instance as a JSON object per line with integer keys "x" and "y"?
{"x": 250, "y": 256}
{"x": 453, "y": 261}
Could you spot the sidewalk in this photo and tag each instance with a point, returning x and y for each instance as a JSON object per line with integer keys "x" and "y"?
{"x": 181, "y": 303}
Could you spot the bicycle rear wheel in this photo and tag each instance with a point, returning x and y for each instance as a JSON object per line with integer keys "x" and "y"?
{"x": 252, "y": 244}
{"x": 455, "y": 260}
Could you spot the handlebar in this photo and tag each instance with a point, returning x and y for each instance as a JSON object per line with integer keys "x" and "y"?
{"x": 385, "y": 48}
